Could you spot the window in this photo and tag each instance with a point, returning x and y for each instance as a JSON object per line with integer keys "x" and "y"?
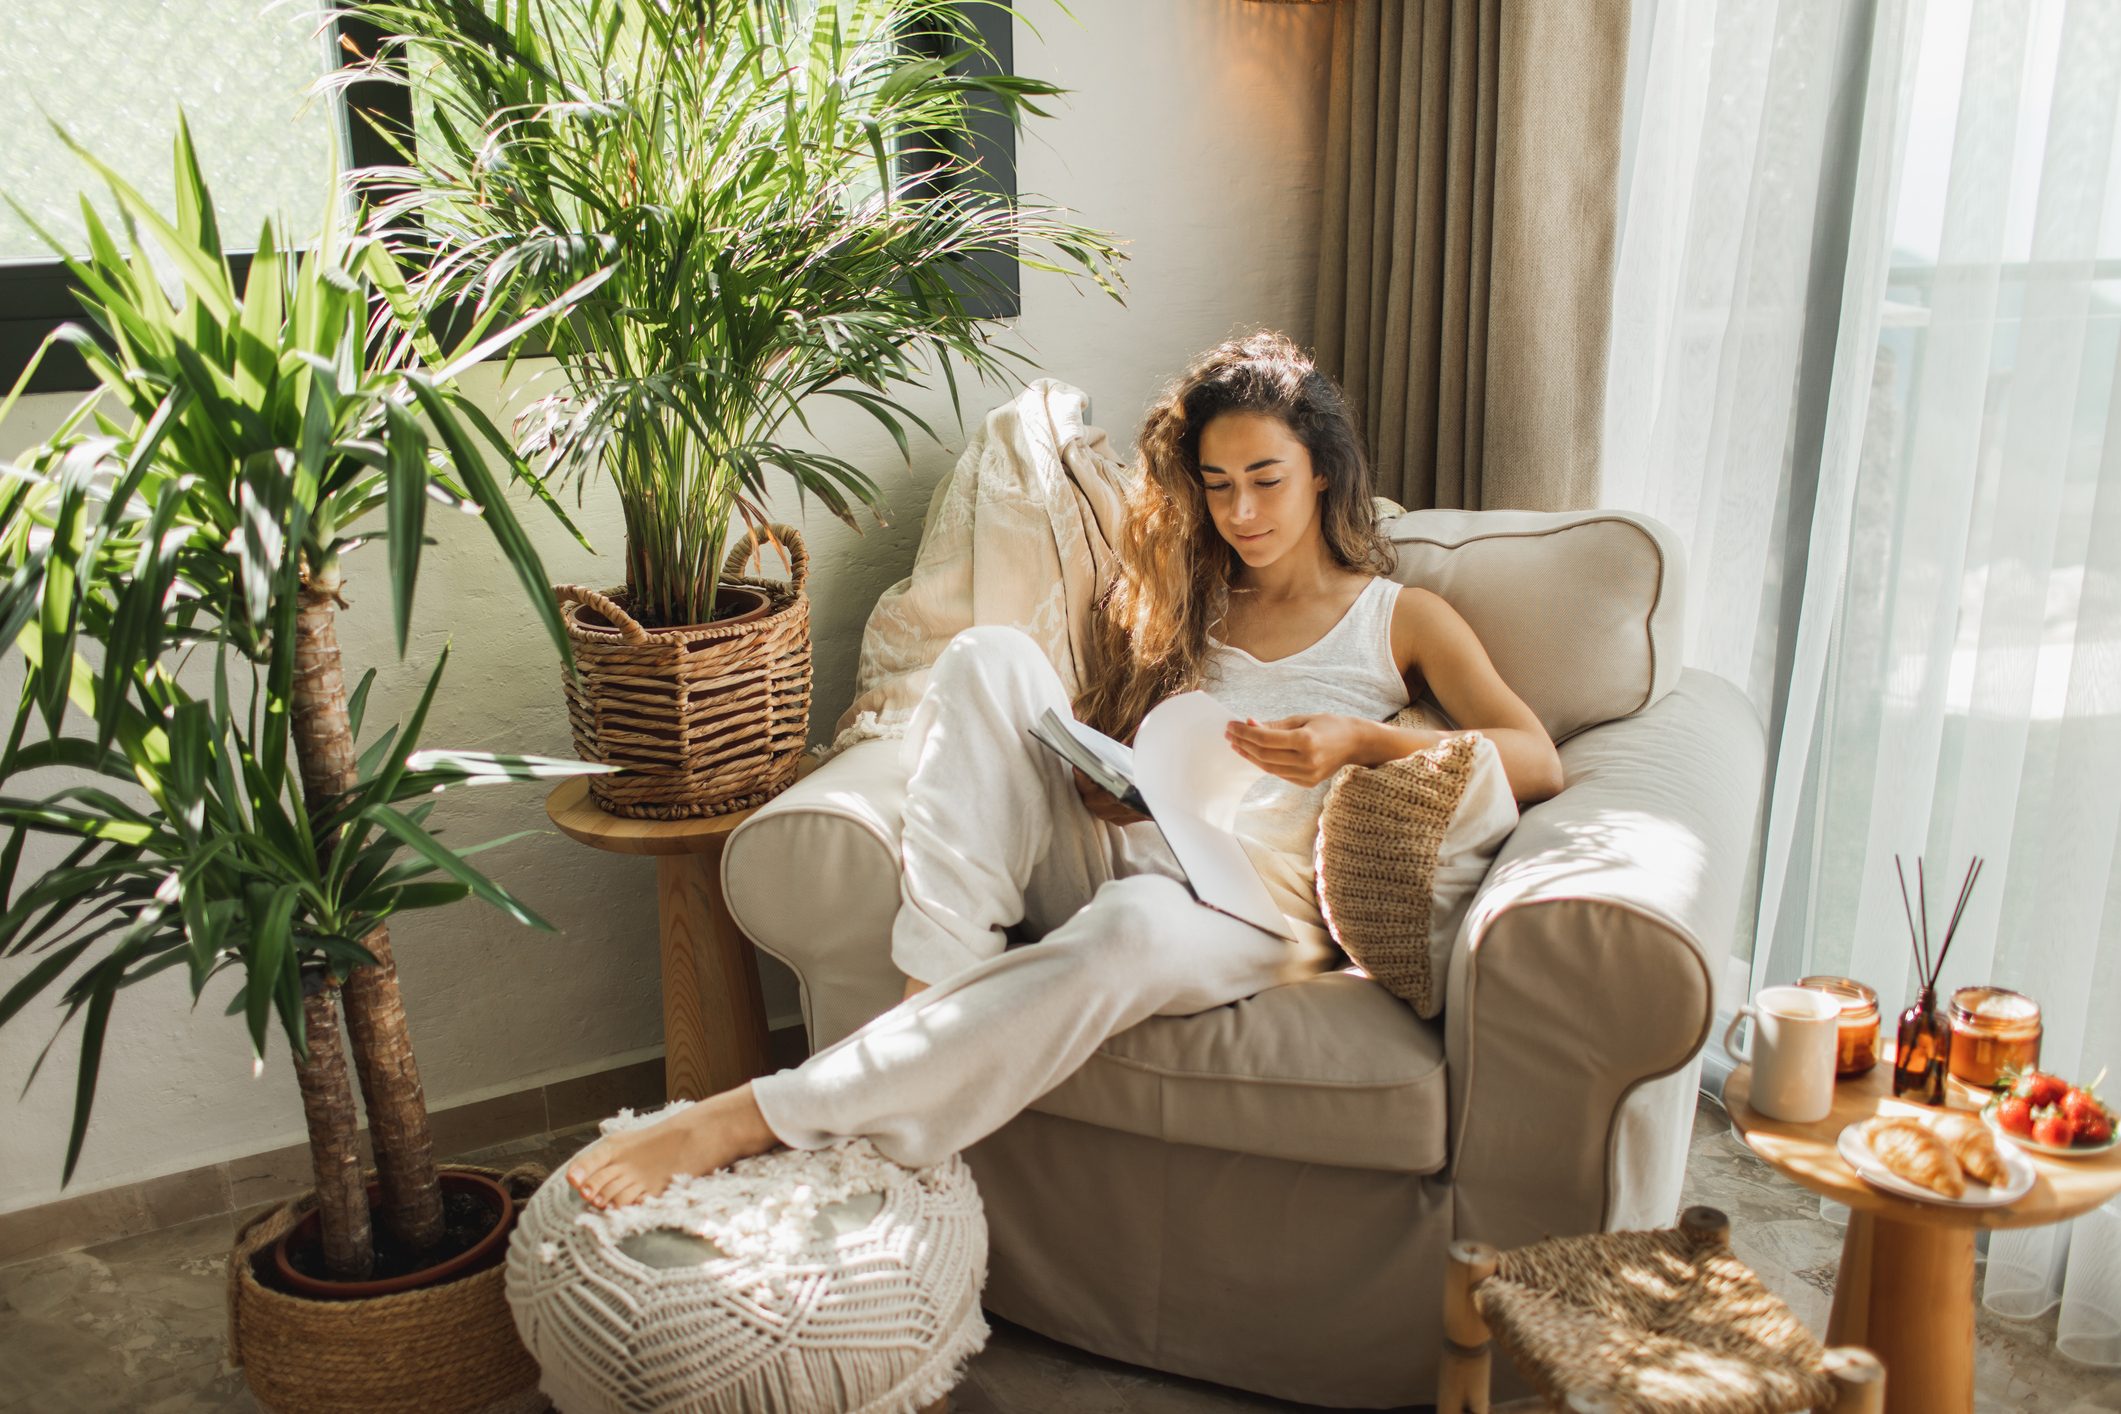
{"x": 241, "y": 70}
{"x": 994, "y": 147}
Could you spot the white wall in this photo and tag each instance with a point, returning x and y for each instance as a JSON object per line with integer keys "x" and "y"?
{"x": 1193, "y": 131}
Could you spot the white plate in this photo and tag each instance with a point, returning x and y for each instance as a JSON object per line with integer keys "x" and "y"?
{"x": 1856, "y": 1153}
{"x": 2054, "y": 1151}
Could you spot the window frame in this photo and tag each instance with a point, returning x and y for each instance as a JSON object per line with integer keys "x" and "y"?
{"x": 36, "y": 297}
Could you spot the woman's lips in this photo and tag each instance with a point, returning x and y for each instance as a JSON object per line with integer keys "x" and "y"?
{"x": 1261, "y": 536}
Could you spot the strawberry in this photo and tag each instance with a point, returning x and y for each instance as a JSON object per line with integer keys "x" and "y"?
{"x": 2094, "y": 1127}
{"x": 2080, "y": 1101}
{"x": 2052, "y": 1128}
{"x": 2015, "y": 1114}
{"x": 2040, "y": 1088}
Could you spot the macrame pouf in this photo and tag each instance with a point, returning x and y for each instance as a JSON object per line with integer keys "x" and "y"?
{"x": 798, "y": 1282}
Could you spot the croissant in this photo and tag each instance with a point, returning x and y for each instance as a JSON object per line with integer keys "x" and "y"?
{"x": 1974, "y": 1147}
{"x": 1909, "y": 1149}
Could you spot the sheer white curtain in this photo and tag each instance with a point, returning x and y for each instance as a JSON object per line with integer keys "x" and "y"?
{"x": 1728, "y": 152}
{"x": 1864, "y": 358}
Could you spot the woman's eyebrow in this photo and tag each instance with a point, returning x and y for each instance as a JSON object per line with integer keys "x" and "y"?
{"x": 1270, "y": 461}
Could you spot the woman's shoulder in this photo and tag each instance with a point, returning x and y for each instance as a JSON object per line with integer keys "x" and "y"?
{"x": 1417, "y": 616}
{"x": 1413, "y": 604}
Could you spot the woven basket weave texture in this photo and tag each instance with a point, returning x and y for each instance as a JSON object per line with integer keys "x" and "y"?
{"x": 449, "y": 1349}
{"x": 1667, "y": 1322}
{"x": 1375, "y": 861}
{"x": 705, "y": 719}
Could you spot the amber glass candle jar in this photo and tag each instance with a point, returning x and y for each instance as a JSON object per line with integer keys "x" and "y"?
{"x": 1856, "y": 1047}
{"x": 1993, "y": 1031}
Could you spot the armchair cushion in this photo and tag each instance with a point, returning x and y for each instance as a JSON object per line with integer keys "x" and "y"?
{"x": 1330, "y": 1070}
{"x": 1581, "y": 611}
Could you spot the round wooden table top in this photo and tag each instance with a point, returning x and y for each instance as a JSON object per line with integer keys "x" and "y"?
{"x": 2062, "y": 1188}
{"x": 579, "y": 818}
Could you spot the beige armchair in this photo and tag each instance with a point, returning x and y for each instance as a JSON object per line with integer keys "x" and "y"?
{"x": 1263, "y": 1195}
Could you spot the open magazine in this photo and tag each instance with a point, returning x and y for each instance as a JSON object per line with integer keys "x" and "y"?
{"x": 1185, "y": 776}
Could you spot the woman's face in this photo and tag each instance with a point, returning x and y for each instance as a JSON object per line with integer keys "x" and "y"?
{"x": 1261, "y": 490}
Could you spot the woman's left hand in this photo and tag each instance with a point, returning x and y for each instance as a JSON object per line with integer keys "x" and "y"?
{"x": 1306, "y": 749}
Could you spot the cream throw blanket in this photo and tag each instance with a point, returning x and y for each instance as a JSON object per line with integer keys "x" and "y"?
{"x": 1020, "y": 533}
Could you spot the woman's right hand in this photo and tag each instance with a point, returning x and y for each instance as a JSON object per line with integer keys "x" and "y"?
{"x": 1103, "y": 804}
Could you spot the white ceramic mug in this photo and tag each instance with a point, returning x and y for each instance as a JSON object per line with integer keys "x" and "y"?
{"x": 1791, "y": 1050}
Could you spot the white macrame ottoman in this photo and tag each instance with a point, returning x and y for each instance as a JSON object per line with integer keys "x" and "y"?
{"x": 828, "y": 1281}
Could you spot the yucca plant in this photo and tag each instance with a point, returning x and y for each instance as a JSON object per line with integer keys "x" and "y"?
{"x": 782, "y": 193}
{"x": 171, "y": 570}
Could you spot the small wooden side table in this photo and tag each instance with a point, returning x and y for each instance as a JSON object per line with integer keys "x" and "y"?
{"x": 714, "y": 1019}
{"x": 1906, "y": 1287}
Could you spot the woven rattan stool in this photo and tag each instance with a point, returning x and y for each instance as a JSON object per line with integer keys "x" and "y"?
{"x": 1666, "y": 1322}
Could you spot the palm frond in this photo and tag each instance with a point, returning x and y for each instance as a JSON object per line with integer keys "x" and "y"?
{"x": 783, "y": 198}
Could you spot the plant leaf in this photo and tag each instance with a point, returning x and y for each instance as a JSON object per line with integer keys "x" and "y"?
{"x": 269, "y": 953}
{"x": 444, "y": 860}
{"x": 93, "y": 1025}
{"x": 357, "y": 704}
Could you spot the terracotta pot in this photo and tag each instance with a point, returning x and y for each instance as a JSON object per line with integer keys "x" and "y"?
{"x": 304, "y": 1234}
{"x": 738, "y": 605}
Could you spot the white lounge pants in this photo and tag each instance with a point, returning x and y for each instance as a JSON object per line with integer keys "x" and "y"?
{"x": 994, "y": 834}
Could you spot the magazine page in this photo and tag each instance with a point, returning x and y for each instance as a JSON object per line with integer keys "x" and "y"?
{"x": 1193, "y": 779}
{"x": 1109, "y": 764}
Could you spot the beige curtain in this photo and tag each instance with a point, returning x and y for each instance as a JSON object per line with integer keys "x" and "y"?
{"x": 1466, "y": 258}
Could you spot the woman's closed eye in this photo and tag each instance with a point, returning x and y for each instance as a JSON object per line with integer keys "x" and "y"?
{"x": 1224, "y": 486}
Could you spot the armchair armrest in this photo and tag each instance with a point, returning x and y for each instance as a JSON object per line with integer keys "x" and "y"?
{"x": 812, "y": 878}
{"x": 1582, "y": 983}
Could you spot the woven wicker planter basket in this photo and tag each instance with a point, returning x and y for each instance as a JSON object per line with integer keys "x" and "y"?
{"x": 449, "y": 1349}
{"x": 705, "y": 719}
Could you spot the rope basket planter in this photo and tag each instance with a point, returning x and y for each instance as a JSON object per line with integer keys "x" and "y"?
{"x": 449, "y": 1349}
{"x": 704, "y": 719}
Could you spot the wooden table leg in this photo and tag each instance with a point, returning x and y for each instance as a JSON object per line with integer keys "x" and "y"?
{"x": 714, "y": 1018}
{"x": 1850, "y": 1322}
{"x": 1906, "y": 1292}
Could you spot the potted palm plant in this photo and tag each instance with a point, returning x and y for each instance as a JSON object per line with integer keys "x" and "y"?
{"x": 783, "y": 193}
{"x": 172, "y": 564}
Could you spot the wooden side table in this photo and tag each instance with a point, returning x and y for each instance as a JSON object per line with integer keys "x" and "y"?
{"x": 714, "y": 1019}
{"x": 1906, "y": 1286}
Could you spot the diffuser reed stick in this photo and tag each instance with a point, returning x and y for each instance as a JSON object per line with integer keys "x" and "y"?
{"x": 1951, "y": 930}
{"x": 1923, "y": 1055}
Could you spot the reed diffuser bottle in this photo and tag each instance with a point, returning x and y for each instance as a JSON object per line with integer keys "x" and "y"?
{"x": 1922, "y": 1053}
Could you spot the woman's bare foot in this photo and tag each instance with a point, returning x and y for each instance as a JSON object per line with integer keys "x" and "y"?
{"x": 634, "y": 1164}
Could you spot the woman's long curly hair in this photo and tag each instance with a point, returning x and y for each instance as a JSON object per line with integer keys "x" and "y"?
{"x": 1149, "y": 635}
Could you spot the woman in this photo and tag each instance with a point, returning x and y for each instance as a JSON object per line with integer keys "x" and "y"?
{"x": 1249, "y": 567}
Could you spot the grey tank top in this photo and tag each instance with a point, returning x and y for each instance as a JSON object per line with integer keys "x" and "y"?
{"x": 1350, "y": 671}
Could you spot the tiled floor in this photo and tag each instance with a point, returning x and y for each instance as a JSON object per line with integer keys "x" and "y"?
{"x": 136, "y": 1325}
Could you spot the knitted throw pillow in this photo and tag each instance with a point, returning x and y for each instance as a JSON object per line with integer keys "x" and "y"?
{"x": 1380, "y": 838}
